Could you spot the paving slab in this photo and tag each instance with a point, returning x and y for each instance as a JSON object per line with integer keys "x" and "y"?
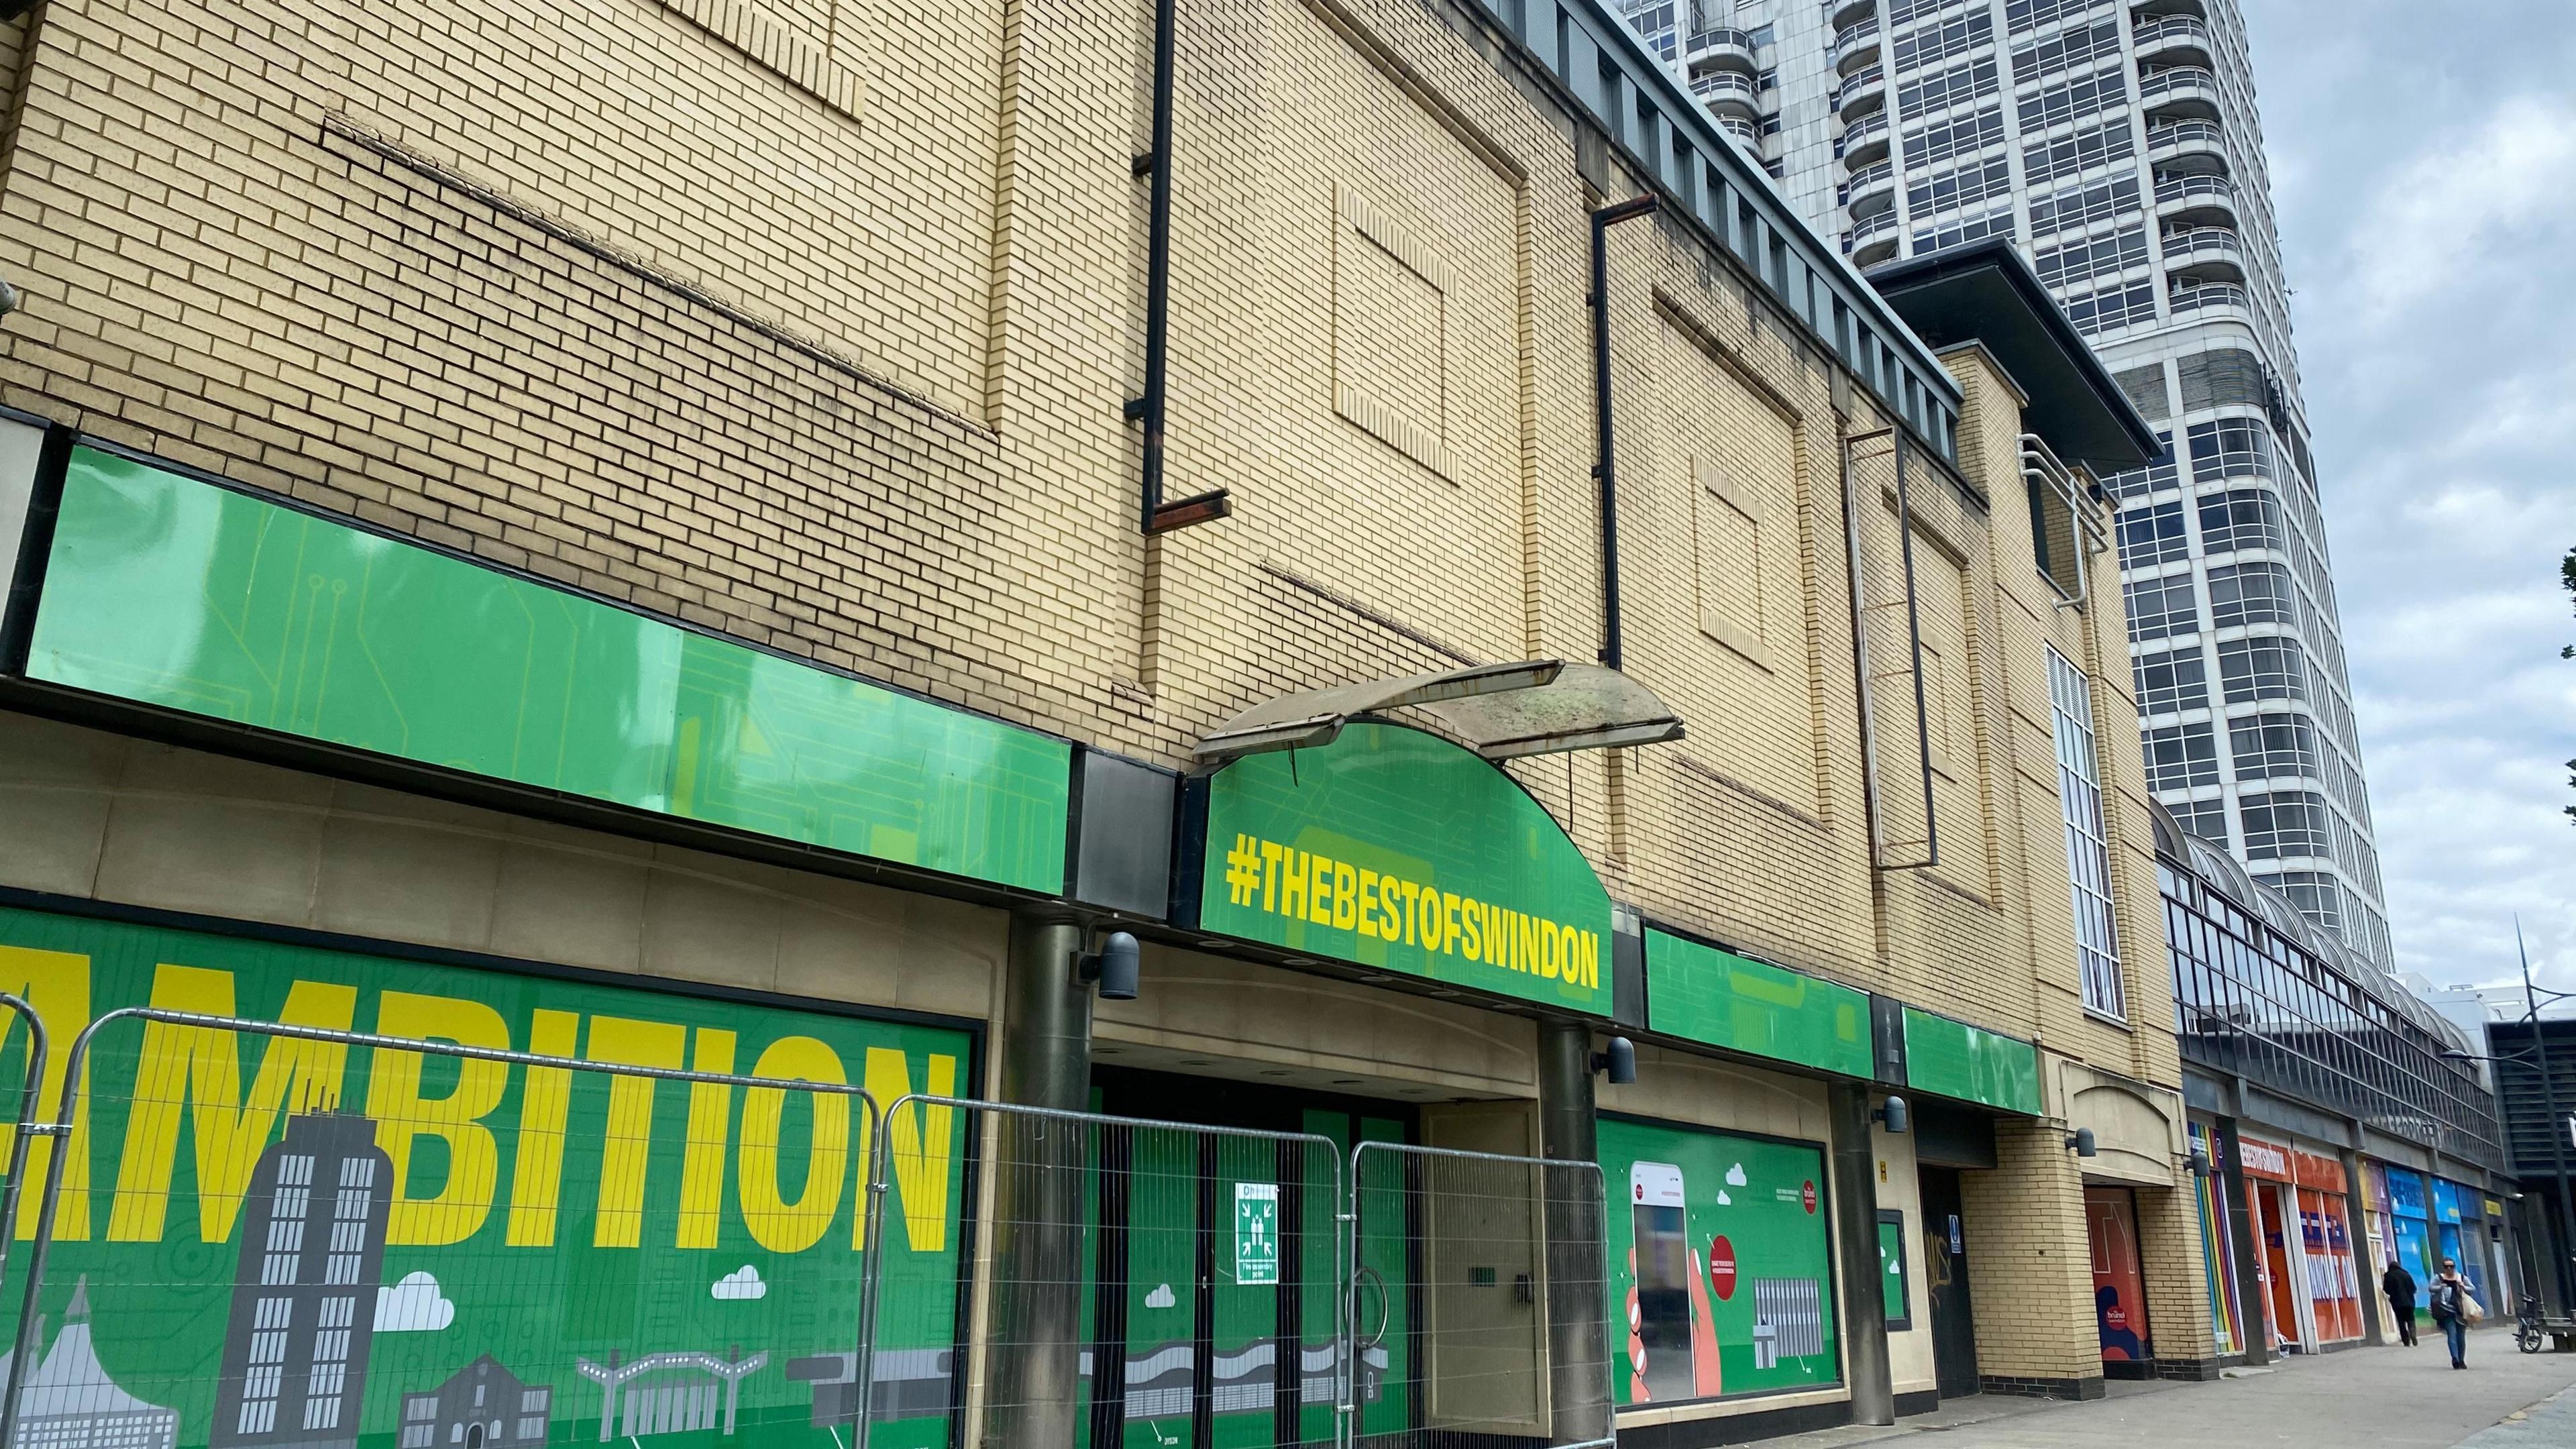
{"x": 2387, "y": 1398}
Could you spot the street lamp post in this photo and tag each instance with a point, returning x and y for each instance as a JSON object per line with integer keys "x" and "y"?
{"x": 2558, "y": 1125}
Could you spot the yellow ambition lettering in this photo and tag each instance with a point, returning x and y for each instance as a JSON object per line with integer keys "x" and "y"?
{"x": 228, "y": 1093}
{"x": 1299, "y": 885}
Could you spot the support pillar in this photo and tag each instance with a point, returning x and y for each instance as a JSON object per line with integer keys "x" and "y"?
{"x": 1578, "y": 1329}
{"x": 2374, "y": 1305}
{"x": 1035, "y": 1331}
{"x": 2251, "y": 1310}
{"x": 1855, "y": 1184}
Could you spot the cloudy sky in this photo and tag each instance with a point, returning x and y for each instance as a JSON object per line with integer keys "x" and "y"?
{"x": 2424, "y": 164}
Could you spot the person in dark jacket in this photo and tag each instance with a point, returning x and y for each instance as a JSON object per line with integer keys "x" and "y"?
{"x": 2399, "y": 1286}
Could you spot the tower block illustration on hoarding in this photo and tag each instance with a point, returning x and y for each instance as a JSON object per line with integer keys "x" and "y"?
{"x": 304, "y": 1297}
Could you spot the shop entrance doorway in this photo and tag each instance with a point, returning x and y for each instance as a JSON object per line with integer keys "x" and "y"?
{"x": 2119, "y": 1278}
{"x": 2284, "y": 1283}
{"x": 1186, "y": 1353}
{"x": 1945, "y": 1262}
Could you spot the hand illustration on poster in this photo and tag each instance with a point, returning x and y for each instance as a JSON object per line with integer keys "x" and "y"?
{"x": 1700, "y": 1369}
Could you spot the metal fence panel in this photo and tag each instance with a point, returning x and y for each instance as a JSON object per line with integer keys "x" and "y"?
{"x": 1468, "y": 1267}
{"x": 265, "y": 1236}
{"x": 1145, "y": 1283}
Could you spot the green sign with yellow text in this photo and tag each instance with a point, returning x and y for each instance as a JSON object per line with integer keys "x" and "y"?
{"x": 1395, "y": 849}
{"x": 267, "y": 1242}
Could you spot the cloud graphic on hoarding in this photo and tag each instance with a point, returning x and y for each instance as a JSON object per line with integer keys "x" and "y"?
{"x": 1735, "y": 1175}
{"x": 742, "y": 1282}
{"x": 1723, "y": 1200}
{"x": 1161, "y": 1297}
{"x": 413, "y": 1305}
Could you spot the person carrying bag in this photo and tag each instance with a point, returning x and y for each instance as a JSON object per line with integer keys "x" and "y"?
{"x": 2455, "y": 1310}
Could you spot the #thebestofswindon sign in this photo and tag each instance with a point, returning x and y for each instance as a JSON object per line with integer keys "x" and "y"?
{"x": 1395, "y": 849}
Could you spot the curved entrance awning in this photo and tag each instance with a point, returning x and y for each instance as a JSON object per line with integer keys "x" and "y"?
{"x": 1501, "y": 711}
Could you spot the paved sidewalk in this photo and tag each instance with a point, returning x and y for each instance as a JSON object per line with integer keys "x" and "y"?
{"x": 2387, "y": 1398}
{"x": 2542, "y": 1426}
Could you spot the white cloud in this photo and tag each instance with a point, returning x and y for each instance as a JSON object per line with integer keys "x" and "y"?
{"x": 414, "y": 1305}
{"x": 742, "y": 1283}
{"x": 2426, "y": 229}
{"x": 1723, "y": 1200}
{"x": 1735, "y": 1176}
{"x": 1161, "y": 1297}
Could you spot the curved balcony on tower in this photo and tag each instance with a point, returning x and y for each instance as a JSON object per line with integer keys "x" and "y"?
{"x": 2209, "y": 301}
{"x": 2174, "y": 40}
{"x": 1846, "y": 13}
{"x": 1871, "y": 191}
{"x": 1856, "y": 46}
{"x": 1728, "y": 92}
{"x": 2189, "y": 148}
{"x": 2202, "y": 254}
{"x": 1748, "y": 132}
{"x": 1872, "y": 241}
{"x": 1722, "y": 46}
{"x": 1861, "y": 92}
{"x": 2201, "y": 200}
{"x": 2147, "y": 11}
{"x": 2179, "y": 93}
{"x": 1865, "y": 141}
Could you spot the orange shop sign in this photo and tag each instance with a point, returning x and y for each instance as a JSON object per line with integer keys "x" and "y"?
{"x": 2263, "y": 1159}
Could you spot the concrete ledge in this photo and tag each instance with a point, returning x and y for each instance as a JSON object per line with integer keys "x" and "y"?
{"x": 1922, "y": 1402}
{"x": 2034, "y": 1388}
{"x": 1734, "y": 1429}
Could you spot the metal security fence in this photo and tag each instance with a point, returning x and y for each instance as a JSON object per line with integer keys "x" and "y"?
{"x": 1476, "y": 1299}
{"x": 1144, "y": 1282}
{"x": 531, "y": 1247}
{"x": 242, "y": 1233}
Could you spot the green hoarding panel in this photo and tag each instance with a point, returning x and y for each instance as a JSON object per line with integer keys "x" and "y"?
{"x": 1718, "y": 997}
{"x": 1970, "y": 1063}
{"x": 272, "y": 1242}
{"x": 176, "y": 593}
{"x": 1396, "y": 849}
{"x": 1720, "y": 1264}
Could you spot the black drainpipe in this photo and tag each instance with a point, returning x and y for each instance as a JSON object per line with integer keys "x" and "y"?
{"x": 1156, "y": 164}
{"x": 1603, "y": 461}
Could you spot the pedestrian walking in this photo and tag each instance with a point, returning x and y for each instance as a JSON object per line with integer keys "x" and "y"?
{"x": 2399, "y": 1286}
{"x": 2454, "y": 1309}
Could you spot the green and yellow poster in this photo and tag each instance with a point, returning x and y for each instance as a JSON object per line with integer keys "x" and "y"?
{"x": 274, "y": 1243}
{"x": 1721, "y": 1272}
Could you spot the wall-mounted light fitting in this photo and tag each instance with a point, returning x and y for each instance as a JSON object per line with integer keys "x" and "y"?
{"x": 1114, "y": 968}
{"x": 1620, "y": 1062}
{"x": 1895, "y": 1115}
{"x": 2080, "y": 1142}
{"x": 2200, "y": 1164}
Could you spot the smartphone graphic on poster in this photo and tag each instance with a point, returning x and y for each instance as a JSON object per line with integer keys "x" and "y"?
{"x": 1663, "y": 1280}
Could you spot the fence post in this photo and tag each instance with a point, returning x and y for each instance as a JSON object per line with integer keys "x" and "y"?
{"x": 1035, "y": 1333}
{"x": 1577, "y": 1318}
{"x": 28, "y": 1097}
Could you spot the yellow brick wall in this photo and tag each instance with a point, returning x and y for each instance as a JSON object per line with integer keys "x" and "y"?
{"x": 2030, "y": 1268}
{"x": 814, "y": 325}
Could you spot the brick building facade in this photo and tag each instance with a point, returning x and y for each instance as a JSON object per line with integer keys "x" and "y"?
{"x": 810, "y": 328}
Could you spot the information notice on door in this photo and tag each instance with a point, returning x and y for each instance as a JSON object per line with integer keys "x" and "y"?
{"x": 1256, "y": 1234}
